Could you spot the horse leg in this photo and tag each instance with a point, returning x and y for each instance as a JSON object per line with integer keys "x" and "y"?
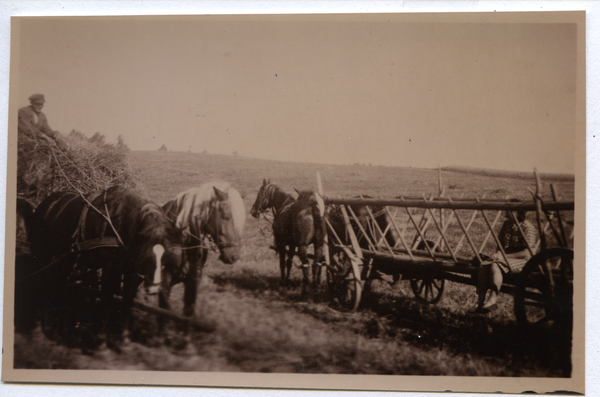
{"x": 282, "y": 255}
{"x": 163, "y": 298}
{"x": 191, "y": 281}
{"x": 111, "y": 280}
{"x": 303, "y": 255}
{"x": 130, "y": 288}
{"x": 316, "y": 266}
{"x": 289, "y": 262}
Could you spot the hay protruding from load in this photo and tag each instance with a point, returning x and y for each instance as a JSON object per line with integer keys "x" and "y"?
{"x": 88, "y": 164}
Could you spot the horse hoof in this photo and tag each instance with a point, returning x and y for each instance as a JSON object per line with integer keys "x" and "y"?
{"x": 87, "y": 352}
{"x": 114, "y": 347}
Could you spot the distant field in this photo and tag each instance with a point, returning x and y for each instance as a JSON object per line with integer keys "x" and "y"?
{"x": 263, "y": 327}
{"x": 555, "y": 177}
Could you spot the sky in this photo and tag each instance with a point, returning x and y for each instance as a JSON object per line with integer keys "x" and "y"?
{"x": 361, "y": 89}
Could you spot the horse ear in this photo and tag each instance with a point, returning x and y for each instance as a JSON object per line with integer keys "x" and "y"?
{"x": 221, "y": 195}
{"x": 297, "y": 191}
{"x": 266, "y": 181}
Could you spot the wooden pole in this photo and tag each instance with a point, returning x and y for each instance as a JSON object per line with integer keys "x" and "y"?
{"x": 419, "y": 232}
{"x": 423, "y": 225}
{"x": 363, "y": 231}
{"x": 200, "y": 326}
{"x": 491, "y": 231}
{"x": 466, "y": 232}
{"x": 560, "y": 222}
{"x": 379, "y": 229}
{"x": 443, "y": 237}
{"x": 406, "y": 246}
{"x": 538, "y": 209}
{"x": 441, "y": 191}
{"x": 325, "y": 238}
{"x": 498, "y": 243}
{"x": 353, "y": 239}
{"x": 453, "y": 205}
{"x": 545, "y": 264}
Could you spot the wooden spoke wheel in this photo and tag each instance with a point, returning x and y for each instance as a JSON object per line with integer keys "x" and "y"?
{"x": 429, "y": 289}
{"x": 345, "y": 285}
{"x": 536, "y": 300}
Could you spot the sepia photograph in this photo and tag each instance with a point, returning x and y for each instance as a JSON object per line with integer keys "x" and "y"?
{"x": 385, "y": 201}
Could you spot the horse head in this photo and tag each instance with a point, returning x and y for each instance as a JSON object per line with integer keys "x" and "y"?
{"x": 262, "y": 202}
{"x": 157, "y": 246}
{"x": 225, "y": 224}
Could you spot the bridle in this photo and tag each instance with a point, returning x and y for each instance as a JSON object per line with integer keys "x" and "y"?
{"x": 207, "y": 231}
{"x": 268, "y": 198}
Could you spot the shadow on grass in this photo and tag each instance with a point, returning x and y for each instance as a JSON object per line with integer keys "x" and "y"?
{"x": 259, "y": 284}
{"x": 539, "y": 350}
{"x": 544, "y": 347}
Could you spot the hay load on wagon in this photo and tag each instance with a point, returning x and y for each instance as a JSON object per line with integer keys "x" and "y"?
{"x": 87, "y": 165}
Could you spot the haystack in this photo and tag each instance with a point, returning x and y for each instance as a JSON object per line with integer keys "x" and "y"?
{"x": 88, "y": 164}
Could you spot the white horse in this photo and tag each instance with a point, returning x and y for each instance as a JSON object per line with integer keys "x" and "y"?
{"x": 214, "y": 211}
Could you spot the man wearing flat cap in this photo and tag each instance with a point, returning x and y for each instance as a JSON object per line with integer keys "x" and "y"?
{"x": 33, "y": 127}
{"x": 33, "y": 122}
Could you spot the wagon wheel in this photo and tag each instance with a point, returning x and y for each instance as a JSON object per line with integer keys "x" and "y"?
{"x": 344, "y": 279}
{"x": 533, "y": 296}
{"x": 428, "y": 289}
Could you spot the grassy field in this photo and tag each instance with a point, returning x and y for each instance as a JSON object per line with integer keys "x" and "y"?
{"x": 263, "y": 327}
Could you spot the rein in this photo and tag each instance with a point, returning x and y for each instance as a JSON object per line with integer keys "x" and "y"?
{"x": 85, "y": 245}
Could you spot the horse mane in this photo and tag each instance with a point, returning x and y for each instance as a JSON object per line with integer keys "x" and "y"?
{"x": 127, "y": 209}
{"x": 197, "y": 201}
{"x": 272, "y": 191}
{"x": 160, "y": 222}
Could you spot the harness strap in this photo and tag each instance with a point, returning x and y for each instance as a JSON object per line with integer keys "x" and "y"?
{"x": 79, "y": 233}
{"x": 102, "y": 242}
{"x": 78, "y": 248}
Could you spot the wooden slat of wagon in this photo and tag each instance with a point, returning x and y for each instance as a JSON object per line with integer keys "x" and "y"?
{"x": 421, "y": 234}
{"x": 362, "y": 230}
{"x": 444, "y": 228}
{"x": 353, "y": 239}
{"x": 491, "y": 231}
{"x": 379, "y": 229}
{"x": 406, "y": 246}
{"x": 455, "y": 199}
{"x": 423, "y": 225}
{"x": 466, "y": 233}
{"x": 472, "y": 205}
{"x": 498, "y": 244}
{"x": 443, "y": 237}
{"x": 529, "y": 247}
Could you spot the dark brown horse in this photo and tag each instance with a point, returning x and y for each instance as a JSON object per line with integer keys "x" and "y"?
{"x": 296, "y": 224}
{"x": 214, "y": 211}
{"x": 374, "y": 221}
{"x": 106, "y": 243}
{"x": 25, "y": 310}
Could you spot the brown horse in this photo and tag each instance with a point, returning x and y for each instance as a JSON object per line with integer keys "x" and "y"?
{"x": 296, "y": 223}
{"x": 106, "y": 244}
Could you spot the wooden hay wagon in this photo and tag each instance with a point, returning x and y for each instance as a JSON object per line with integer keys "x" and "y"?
{"x": 456, "y": 231}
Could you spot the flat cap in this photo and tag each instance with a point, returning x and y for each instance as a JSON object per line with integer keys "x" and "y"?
{"x": 37, "y": 98}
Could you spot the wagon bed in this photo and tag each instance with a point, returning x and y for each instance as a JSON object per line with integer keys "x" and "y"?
{"x": 457, "y": 231}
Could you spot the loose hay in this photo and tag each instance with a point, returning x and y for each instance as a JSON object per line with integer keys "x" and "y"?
{"x": 88, "y": 164}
